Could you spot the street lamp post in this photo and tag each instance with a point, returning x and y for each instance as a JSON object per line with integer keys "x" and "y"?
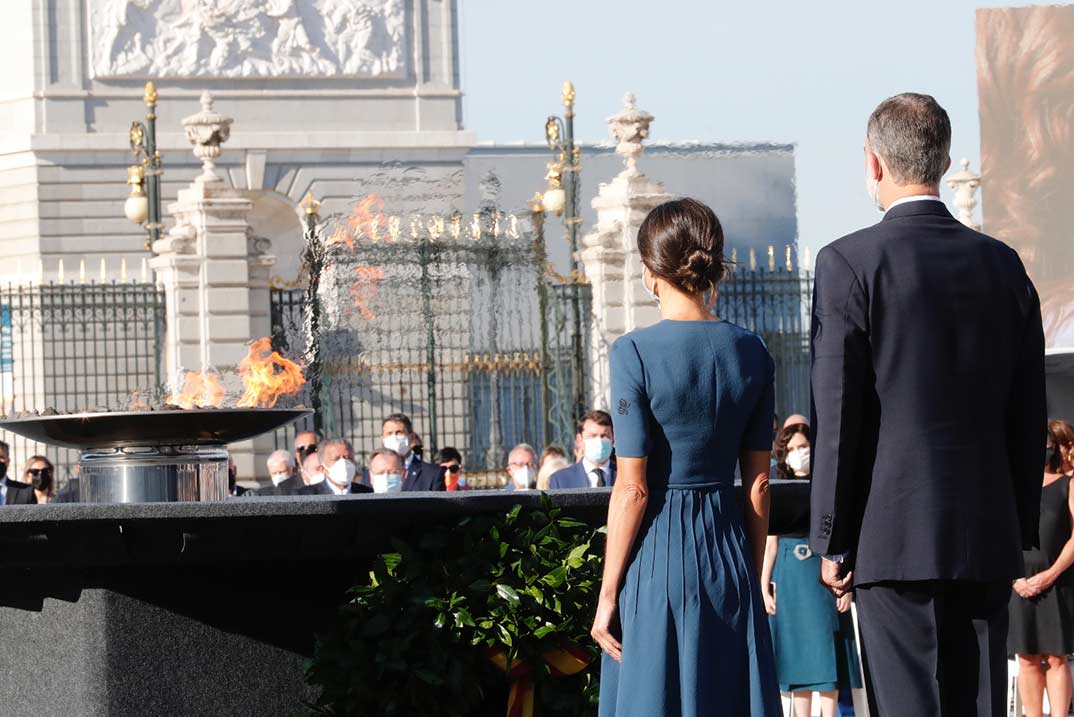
{"x": 561, "y": 198}
{"x": 143, "y": 205}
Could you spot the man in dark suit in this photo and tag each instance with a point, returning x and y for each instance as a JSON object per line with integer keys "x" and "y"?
{"x": 929, "y": 428}
{"x": 339, "y": 471}
{"x": 12, "y": 492}
{"x": 596, "y": 469}
{"x": 397, "y": 434}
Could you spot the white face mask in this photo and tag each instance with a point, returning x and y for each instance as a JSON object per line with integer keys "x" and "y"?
{"x": 398, "y": 443}
{"x": 387, "y": 482}
{"x": 523, "y": 476}
{"x": 342, "y": 472}
{"x": 872, "y": 185}
{"x": 315, "y": 477}
{"x": 652, "y": 291}
{"x": 799, "y": 460}
{"x": 278, "y": 478}
{"x": 597, "y": 450}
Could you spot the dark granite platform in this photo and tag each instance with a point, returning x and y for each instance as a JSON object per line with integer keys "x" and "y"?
{"x": 206, "y": 608}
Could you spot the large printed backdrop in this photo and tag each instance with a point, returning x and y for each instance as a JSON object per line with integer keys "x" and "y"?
{"x": 1025, "y": 80}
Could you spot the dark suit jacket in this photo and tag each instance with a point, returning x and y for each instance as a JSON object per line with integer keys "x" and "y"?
{"x": 291, "y": 486}
{"x": 574, "y": 476}
{"x": 423, "y": 476}
{"x": 928, "y": 401}
{"x": 19, "y": 493}
{"x": 323, "y": 489}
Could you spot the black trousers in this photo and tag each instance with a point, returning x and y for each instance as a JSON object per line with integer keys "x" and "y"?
{"x": 934, "y": 647}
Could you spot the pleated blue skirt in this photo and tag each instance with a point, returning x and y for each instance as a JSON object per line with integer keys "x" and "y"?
{"x": 694, "y": 629}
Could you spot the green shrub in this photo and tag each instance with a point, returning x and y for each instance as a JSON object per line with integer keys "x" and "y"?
{"x": 416, "y": 639}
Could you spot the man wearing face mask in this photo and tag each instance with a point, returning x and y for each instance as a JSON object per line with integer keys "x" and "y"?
{"x": 12, "y": 492}
{"x": 522, "y": 468}
{"x": 338, "y": 470}
{"x": 397, "y": 434}
{"x": 921, "y": 327}
{"x": 282, "y": 470}
{"x": 386, "y": 471}
{"x": 596, "y": 469}
{"x": 305, "y": 446}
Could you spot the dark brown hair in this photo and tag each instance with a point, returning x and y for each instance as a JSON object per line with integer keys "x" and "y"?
{"x": 782, "y": 440}
{"x": 681, "y": 241}
{"x": 601, "y": 418}
{"x": 1061, "y": 436}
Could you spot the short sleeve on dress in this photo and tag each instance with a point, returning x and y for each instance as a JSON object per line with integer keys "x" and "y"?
{"x": 630, "y": 402}
{"x": 758, "y": 436}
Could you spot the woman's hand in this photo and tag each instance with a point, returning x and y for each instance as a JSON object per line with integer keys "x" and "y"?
{"x": 769, "y": 595}
{"x": 843, "y": 602}
{"x": 1041, "y": 581}
{"x": 1023, "y": 588}
{"x": 602, "y": 628}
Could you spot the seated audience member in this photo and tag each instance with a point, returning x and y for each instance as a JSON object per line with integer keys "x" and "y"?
{"x": 284, "y": 474}
{"x": 338, "y": 470}
{"x": 397, "y": 434}
{"x": 386, "y": 471}
{"x": 233, "y": 488}
{"x": 550, "y": 451}
{"x": 311, "y": 474}
{"x": 12, "y": 492}
{"x": 451, "y": 461}
{"x": 596, "y": 469}
{"x": 41, "y": 475}
{"x": 305, "y": 444}
{"x": 550, "y": 465}
{"x": 522, "y": 468}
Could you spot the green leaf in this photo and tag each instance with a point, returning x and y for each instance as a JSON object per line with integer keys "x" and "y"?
{"x": 556, "y": 577}
{"x": 441, "y": 620}
{"x": 463, "y": 618}
{"x": 508, "y": 593}
{"x": 543, "y": 631}
{"x": 505, "y": 636}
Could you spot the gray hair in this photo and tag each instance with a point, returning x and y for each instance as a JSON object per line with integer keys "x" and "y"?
{"x": 524, "y": 447}
{"x": 281, "y": 456}
{"x": 323, "y": 445}
{"x": 912, "y": 133}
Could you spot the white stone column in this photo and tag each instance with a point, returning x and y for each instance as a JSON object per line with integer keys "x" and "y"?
{"x": 215, "y": 274}
{"x": 609, "y": 252}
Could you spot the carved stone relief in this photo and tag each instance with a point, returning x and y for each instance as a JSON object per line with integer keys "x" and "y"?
{"x": 247, "y": 38}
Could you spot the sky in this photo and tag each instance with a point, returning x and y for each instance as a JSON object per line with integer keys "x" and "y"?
{"x": 717, "y": 71}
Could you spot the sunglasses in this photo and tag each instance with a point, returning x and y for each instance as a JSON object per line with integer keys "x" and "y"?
{"x": 306, "y": 450}
{"x": 40, "y": 471}
{"x": 454, "y": 468}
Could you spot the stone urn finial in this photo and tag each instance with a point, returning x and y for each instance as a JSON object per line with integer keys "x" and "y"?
{"x": 965, "y": 183}
{"x": 207, "y": 130}
{"x": 629, "y": 129}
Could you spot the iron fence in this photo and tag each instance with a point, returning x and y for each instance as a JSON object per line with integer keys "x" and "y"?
{"x": 775, "y": 303}
{"x": 77, "y": 347}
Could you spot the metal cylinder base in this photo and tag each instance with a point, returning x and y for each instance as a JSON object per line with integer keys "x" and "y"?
{"x": 153, "y": 474}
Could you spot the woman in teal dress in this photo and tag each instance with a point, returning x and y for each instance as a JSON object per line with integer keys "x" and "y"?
{"x": 680, "y": 616}
{"x": 812, "y": 634}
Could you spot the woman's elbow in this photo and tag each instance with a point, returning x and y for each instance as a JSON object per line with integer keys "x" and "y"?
{"x": 634, "y": 494}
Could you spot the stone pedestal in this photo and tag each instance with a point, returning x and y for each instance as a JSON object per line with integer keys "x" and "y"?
{"x": 215, "y": 275}
{"x": 610, "y": 253}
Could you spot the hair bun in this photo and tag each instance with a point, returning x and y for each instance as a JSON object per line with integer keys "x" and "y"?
{"x": 681, "y": 241}
{"x": 702, "y": 270}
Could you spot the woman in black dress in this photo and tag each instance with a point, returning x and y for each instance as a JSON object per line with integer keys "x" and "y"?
{"x": 1042, "y": 604}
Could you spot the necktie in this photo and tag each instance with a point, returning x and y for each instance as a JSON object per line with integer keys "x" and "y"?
{"x": 599, "y": 473}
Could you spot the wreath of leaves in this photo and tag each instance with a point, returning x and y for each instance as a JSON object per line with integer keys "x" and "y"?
{"x": 415, "y": 639}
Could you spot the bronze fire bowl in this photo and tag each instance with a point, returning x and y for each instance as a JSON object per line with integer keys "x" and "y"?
{"x": 182, "y": 427}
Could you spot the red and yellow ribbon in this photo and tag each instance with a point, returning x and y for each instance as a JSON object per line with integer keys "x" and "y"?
{"x": 561, "y": 662}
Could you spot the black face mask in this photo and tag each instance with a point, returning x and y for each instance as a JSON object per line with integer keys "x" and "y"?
{"x": 3, "y": 470}
{"x": 42, "y": 481}
{"x": 1051, "y": 461}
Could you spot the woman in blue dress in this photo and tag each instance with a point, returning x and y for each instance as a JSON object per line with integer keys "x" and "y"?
{"x": 812, "y": 633}
{"x": 680, "y": 617}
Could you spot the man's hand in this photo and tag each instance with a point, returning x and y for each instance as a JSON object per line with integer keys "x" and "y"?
{"x": 832, "y": 577}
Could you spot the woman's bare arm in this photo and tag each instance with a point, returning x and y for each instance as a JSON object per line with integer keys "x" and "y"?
{"x": 630, "y": 496}
{"x": 755, "y": 466}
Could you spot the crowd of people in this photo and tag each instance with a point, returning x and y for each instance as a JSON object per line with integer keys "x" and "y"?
{"x": 318, "y": 466}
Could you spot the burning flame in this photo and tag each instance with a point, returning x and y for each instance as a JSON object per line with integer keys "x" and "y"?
{"x": 200, "y": 388}
{"x": 266, "y": 375}
{"x": 366, "y": 290}
{"x": 366, "y": 218}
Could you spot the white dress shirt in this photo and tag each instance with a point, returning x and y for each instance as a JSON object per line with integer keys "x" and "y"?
{"x": 336, "y": 489}
{"x": 590, "y": 466}
{"x": 914, "y": 198}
